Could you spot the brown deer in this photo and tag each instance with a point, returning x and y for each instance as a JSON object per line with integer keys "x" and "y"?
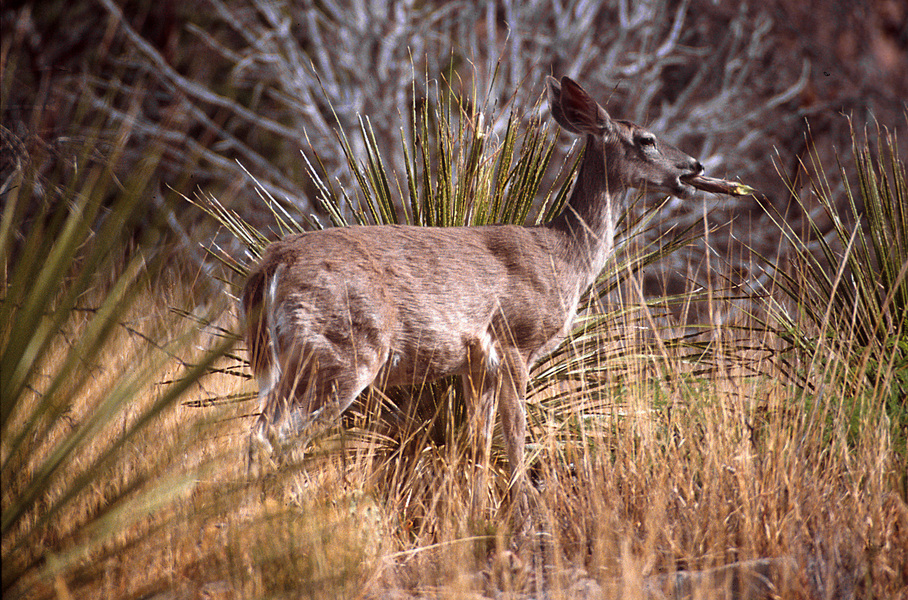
{"x": 331, "y": 312}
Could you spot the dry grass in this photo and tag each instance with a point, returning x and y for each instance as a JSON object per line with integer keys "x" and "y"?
{"x": 646, "y": 469}
{"x": 663, "y": 475}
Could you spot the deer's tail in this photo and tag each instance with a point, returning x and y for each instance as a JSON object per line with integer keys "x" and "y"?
{"x": 259, "y": 304}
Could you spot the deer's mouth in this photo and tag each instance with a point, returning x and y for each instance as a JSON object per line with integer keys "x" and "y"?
{"x": 683, "y": 189}
{"x": 715, "y": 185}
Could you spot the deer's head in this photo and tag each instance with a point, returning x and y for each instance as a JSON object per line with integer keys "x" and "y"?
{"x": 633, "y": 156}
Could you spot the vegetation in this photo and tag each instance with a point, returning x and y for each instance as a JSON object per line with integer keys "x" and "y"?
{"x": 110, "y": 468}
{"x": 841, "y": 310}
{"x": 658, "y": 446}
{"x": 86, "y": 379}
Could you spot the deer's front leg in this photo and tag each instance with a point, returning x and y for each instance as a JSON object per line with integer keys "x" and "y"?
{"x": 480, "y": 399}
{"x": 511, "y": 406}
{"x": 480, "y": 387}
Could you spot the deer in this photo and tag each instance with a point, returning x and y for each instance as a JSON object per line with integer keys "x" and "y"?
{"x": 330, "y": 312}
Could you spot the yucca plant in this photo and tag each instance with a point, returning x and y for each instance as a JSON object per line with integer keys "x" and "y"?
{"x": 69, "y": 423}
{"x": 845, "y": 307}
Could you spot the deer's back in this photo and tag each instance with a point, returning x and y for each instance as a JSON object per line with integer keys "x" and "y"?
{"x": 420, "y": 295}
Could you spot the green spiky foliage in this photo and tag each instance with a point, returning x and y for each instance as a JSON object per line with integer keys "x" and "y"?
{"x": 845, "y": 313}
{"x": 67, "y": 423}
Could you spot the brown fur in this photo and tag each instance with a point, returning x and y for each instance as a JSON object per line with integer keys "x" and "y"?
{"x": 391, "y": 305}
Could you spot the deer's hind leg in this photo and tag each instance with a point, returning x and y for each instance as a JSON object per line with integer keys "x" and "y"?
{"x": 314, "y": 388}
{"x": 282, "y": 392}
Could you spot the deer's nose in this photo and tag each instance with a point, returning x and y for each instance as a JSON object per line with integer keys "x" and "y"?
{"x": 690, "y": 166}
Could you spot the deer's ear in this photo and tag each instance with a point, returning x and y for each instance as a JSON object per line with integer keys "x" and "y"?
{"x": 554, "y": 92}
{"x": 580, "y": 111}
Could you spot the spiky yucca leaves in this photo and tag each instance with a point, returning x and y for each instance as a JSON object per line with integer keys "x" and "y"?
{"x": 847, "y": 311}
{"x": 70, "y": 424}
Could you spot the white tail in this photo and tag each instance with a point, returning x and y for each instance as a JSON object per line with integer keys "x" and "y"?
{"x": 330, "y": 312}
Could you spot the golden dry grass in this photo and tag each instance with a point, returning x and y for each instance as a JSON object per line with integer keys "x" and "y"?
{"x": 663, "y": 476}
{"x": 640, "y": 477}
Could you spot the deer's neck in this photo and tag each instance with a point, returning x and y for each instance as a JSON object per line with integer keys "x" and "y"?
{"x": 588, "y": 220}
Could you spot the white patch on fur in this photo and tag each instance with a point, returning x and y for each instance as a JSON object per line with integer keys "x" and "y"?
{"x": 270, "y": 308}
{"x": 259, "y": 440}
{"x": 487, "y": 346}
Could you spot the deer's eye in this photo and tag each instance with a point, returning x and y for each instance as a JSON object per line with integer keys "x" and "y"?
{"x": 646, "y": 141}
